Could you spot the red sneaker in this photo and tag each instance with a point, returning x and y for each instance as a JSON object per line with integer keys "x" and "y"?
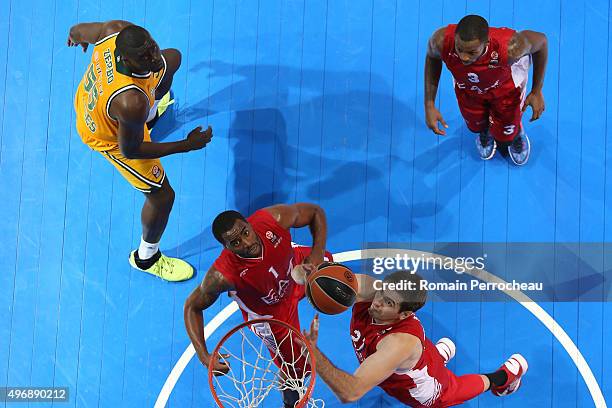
{"x": 516, "y": 366}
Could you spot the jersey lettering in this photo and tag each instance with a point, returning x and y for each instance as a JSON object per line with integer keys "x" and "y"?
{"x": 274, "y": 296}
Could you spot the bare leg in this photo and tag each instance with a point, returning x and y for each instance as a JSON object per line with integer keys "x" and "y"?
{"x": 156, "y": 211}
{"x": 154, "y": 217}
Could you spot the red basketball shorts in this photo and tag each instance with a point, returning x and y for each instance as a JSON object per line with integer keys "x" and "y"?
{"x": 501, "y": 113}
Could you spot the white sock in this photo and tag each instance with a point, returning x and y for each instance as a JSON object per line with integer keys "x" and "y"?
{"x": 147, "y": 250}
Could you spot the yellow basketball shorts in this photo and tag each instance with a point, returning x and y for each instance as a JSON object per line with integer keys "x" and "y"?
{"x": 146, "y": 175}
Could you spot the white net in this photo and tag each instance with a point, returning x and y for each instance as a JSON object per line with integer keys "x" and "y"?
{"x": 253, "y": 379}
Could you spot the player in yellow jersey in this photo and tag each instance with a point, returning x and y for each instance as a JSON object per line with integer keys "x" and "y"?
{"x": 116, "y": 99}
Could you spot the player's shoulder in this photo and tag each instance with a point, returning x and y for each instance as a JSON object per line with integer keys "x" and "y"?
{"x": 227, "y": 263}
{"x": 436, "y": 41}
{"x": 262, "y": 216}
{"x": 112, "y": 27}
{"x": 216, "y": 280}
{"x": 440, "y": 33}
{"x": 360, "y": 317}
{"x": 411, "y": 325}
{"x": 360, "y": 307}
{"x": 518, "y": 45}
{"x": 131, "y": 105}
{"x": 268, "y": 217}
{"x": 400, "y": 341}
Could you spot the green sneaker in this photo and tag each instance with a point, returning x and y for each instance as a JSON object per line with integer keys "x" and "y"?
{"x": 164, "y": 103}
{"x": 167, "y": 268}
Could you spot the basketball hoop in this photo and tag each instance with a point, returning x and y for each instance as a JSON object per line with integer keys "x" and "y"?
{"x": 254, "y": 378}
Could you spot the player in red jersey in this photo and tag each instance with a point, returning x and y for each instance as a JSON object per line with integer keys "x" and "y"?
{"x": 395, "y": 355}
{"x": 255, "y": 267}
{"x": 490, "y": 67}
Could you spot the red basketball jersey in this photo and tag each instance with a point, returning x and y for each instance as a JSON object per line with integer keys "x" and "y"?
{"x": 490, "y": 75}
{"x": 423, "y": 385}
{"x": 262, "y": 284}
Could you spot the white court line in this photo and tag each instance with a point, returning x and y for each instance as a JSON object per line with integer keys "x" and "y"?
{"x": 541, "y": 314}
{"x": 188, "y": 354}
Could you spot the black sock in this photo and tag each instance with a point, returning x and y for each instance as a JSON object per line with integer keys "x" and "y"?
{"x": 498, "y": 378}
{"x": 290, "y": 398}
{"x": 146, "y": 263}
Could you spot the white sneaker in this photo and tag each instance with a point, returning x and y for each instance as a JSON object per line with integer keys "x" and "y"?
{"x": 446, "y": 348}
{"x": 515, "y": 367}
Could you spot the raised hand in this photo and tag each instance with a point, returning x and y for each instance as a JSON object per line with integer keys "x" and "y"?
{"x": 72, "y": 43}
{"x": 196, "y": 139}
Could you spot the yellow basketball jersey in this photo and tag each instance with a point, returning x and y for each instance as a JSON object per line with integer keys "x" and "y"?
{"x": 105, "y": 78}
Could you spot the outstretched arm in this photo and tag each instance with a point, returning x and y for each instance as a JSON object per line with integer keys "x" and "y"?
{"x": 89, "y": 33}
{"x": 300, "y": 215}
{"x": 393, "y": 351}
{"x": 130, "y": 109}
{"x": 534, "y": 43}
{"x": 200, "y": 299}
{"x": 433, "y": 70}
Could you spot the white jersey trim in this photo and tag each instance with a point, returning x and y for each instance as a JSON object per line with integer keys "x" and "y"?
{"x": 427, "y": 389}
{"x": 106, "y": 38}
{"x": 520, "y": 71}
{"x": 251, "y": 314}
{"x": 117, "y": 92}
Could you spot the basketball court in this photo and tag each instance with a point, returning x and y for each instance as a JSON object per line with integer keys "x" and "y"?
{"x": 318, "y": 101}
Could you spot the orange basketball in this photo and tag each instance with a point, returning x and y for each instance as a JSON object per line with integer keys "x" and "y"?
{"x": 332, "y": 288}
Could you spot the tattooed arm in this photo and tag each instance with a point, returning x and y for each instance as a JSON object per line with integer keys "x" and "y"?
{"x": 201, "y": 298}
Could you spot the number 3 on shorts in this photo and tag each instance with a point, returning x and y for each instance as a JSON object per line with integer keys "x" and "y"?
{"x": 508, "y": 130}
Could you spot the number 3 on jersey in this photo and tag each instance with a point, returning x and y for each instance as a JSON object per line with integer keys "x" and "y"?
{"x": 508, "y": 130}
{"x": 90, "y": 87}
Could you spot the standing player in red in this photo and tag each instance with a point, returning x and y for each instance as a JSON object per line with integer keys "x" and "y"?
{"x": 255, "y": 267}
{"x": 394, "y": 353}
{"x": 490, "y": 67}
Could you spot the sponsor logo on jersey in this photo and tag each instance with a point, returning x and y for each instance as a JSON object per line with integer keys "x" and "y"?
{"x": 494, "y": 60}
{"x": 273, "y": 238}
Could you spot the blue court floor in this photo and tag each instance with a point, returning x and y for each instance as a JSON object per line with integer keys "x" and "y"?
{"x": 310, "y": 100}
